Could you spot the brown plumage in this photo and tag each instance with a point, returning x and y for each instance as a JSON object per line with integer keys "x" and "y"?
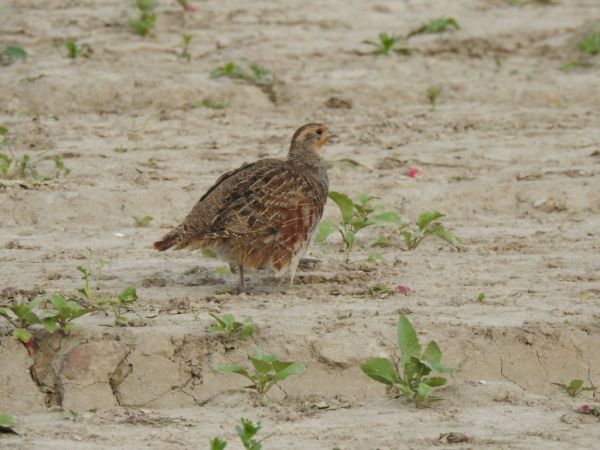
{"x": 263, "y": 214}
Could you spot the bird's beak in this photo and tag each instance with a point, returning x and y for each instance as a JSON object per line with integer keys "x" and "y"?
{"x": 332, "y": 136}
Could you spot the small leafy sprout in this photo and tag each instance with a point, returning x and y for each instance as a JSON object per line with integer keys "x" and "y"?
{"x": 142, "y": 221}
{"x": 116, "y": 305}
{"x": 386, "y": 44}
{"x": 256, "y": 75}
{"x": 185, "y": 47}
{"x": 212, "y": 104}
{"x": 268, "y": 371}
{"x": 356, "y": 215}
{"x": 439, "y": 25}
{"x": 590, "y": 44}
{"x": 433, "y": 92}
{"x": 91, "y": 274}
{"x": 246, "y": 432}
{"x": 410, "y": 374}
{"x": 66, "y": 312}
{"x": 6, "y": 423}
{"x": 426, "y": 226}
{"x": 230, "y": 328}
{"x": 152, "y": 163}
{"x": 480, "y": 297}
{"x": 218, "y": 444}
{"x": 223, "y": 271}
{"x": 11, "y": 54}
{"x": 60, "y": 167}
{"x": 143, "y": 17}
{"x": 75, "y": 50}
{"x": 575, "y": 387}
{"x": 21, "y": 316}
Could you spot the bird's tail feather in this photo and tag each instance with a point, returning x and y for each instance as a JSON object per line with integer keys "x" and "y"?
{"x": 169, "y": 240}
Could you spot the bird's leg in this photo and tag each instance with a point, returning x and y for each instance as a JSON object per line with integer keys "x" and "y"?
{"x": 240, "y": 286}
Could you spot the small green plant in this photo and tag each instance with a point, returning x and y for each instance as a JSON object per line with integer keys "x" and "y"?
{"x": 256, "y": 74}
{"x": 386, "y": 45}
{"x": 575, "y": 387}
{"x": 268, "y": 371}
{"x": 185, "y": 54}
{"x": 223, "y": 271}
{"x": 246, "y": 432}
{"x": 356, "y": 215}
{"x": 480, "y": 297}
{"x": 230, "y": 328}
{"x": 6, "y": 423}
{"x": 439, "y": 25}
{"x": 208, "y": 102}
{"x": 143, "y": 17}
{"x": 66, "y": 312}
{"x": 60, "y": 167}
{"x": 410, "y": 375}
{"x": 142, "y": 221}
{"x": 427, "y": 226}
{"x": 75, "y": 50}
{"x": 433, "y": 92}
{"x": 90, "y": 274}
{"x": 590, "y": 44}
{"x": 21, "y": 316}
{"x": 116, "y": 305}
{"x": 11, "y": 54}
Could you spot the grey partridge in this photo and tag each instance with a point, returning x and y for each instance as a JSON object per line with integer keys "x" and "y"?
{"x": 262, "y": 215}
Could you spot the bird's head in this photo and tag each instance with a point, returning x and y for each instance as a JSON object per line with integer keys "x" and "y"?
{"x": 308, "y": 140}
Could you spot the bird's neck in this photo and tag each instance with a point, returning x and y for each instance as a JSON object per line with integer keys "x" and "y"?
{"x": 304, "y": 155}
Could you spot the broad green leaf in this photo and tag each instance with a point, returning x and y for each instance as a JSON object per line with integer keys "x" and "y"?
{"x": 291, "y": 369}
{"x": 326, "y": 228}
{"x": 247, "y": 330}
{"x": 262, "y": 367}
{"x": 407, "y": 339}
{"x": 128, "y": 295}
{"x": 436, "y": 381}
{"x": 229, "y": 321}
{"x": 6, "y": 421}
{"x": 427, "y": 217}
{"x": 575, "y": 384}
{"x": 363, "y": 199}
{"x": 4, "y": 312}
{"x": 424, "y": 390}
{"x": 224, "y": 271}
{"x": 433, "y": 353}
{"x": 382, "y": 370}
{"x": 349, "y": 238}
{"x": 217, "y": 444}
{"x": 387, "y": 217}
{"x": 50, "y": 324}
{"x": 22, "y": 334}
{"x": 216, "y": 328}
{"x": 440, "y": 231}
{"x": 145, "y": 5}
{"x": 403, "y": 388}
{"x": 60, "y": 304}
{"x": 233, "y": 368}
{"x": 258, "y": 354}
{"x": 15, "y": 52}
{"x": 344, "y": 204}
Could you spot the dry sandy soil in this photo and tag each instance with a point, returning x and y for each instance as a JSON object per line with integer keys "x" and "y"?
{"x": 510, "y": 155}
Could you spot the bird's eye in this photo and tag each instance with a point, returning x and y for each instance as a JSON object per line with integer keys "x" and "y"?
{"x": 319, "y": 132}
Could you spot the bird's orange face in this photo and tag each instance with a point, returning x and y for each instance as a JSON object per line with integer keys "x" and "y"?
{"x": 313, "y": 135}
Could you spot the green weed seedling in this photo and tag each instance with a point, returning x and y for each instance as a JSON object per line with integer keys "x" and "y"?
{"x": 439, "y": 25}
{"x": 355, "y": 215}
{"x": 268, "y": 371}
{"x": 590, "y": 44}
{"x": 90, "y": 274}
{"x": 75, "y": 50}
{"x": 208, "y": 102}
{"x": 143, "y": 17}
{"x": 142, "y": 221}
{"x": 22, "y": 315}
{"x": 230, "y": 328}
{"x": 11, "y": 54}
{"x": 116, "y": 305}
{"x": 185, "y": 54}
{"x": 410, "y": 375}
{"x": 66, "y": 312}
{"x": 6, "y": 424}
{"x": 246, "y": 432}
{"x": 255, "y": 74}
{"x": 427, "y": 226}
{"x": 433, "y": 92}
{"x": 386, "y": 45}
{"x": 480, "y": 298}
{"x": 575, "y": 387}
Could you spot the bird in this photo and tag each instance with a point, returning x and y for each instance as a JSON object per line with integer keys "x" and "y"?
{"x": 262, "y": 215}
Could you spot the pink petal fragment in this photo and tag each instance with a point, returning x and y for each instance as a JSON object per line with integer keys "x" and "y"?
{"x": 403, "y": 290}
{"x": 413, "y": 172}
